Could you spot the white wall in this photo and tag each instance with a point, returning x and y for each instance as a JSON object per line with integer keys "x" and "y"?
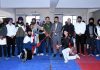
{"x": 25, "y": 3}
{"x": 46, "y": 12}
{"x": 7, "y": 13}
{"x": 24, "y": 12}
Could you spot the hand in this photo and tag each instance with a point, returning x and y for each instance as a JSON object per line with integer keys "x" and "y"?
{"x": 80, "y": 34}
{"x": 12, "y": 36}
{"x": 99, "y": 37}
{"x": 1, "y": 37}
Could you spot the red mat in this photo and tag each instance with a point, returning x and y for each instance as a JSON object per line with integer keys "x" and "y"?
{"x": 88, "y": 63}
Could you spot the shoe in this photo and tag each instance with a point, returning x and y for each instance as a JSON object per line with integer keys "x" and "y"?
{"x": 65, "y": 61}
{"x": 61, "y": 55}
{"x": 41, "y": 54}
{"x": 54, "y": 55}
{"x": 46, "y": 54}
{"x": 38, "y": 54}
{"x": 97, "y": 55}
{"x": 77, "y": 56}
{"x": 18, "y": 56}
{"x": 91, "y": 55}
{"x": 7, "y": 58}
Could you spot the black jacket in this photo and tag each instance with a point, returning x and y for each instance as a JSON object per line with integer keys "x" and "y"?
{"x": 69, "y": 29}
{"x": 87, "y": 33}
{"x": 66, "y": 41}
{"x": 3, "y": 30}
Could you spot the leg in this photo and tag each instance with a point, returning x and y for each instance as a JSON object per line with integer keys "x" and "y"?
{"x": 18, "y": 45}
{"x": 65, "y": 53}
{"x": 13, "y": 46}
{"x": 8, "y": 45}
{"x": 54, "y": 45}
{"x": 98, "y": 46}
{"x": 77, "y": 43}
{"x": 0, "y": 50}
{"x": 4, "y": 50}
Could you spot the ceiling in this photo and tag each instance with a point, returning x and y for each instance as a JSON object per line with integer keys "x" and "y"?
{"x": 52, "y": 4}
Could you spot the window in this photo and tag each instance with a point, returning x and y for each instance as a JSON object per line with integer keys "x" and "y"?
{"x": 73, "y": 19}
{"x": 29, "y": 18}
{"x": 2, "y": 17}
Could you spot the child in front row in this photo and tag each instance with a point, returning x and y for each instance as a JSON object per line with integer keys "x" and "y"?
{"x": 26, "y": 54}
{"x": 69, "y": 52}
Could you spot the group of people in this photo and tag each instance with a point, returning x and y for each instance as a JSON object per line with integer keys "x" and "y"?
{"x": 49, "y": 38}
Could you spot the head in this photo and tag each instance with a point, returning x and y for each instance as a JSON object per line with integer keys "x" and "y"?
{"x": 33, "y": 21}
{"x": 1, "y": 20}
{"x": 20, "y": 19}
{"x": 65, "y": 33}
{"x": 69, "y": 21}
{"x": 10, "y": 20}
{"x": 98, "y": 22}
{"x": 91, "y": 21}
{"x": 79, "y": 19}
{"x": 47, "y": 19}
{"x": 56, "y": 19}
{"x": 29, "y": 32}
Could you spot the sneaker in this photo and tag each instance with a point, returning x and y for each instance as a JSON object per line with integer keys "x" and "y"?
{"x": 97, "y": 55}
{"x": 65, "y": 61}
{"x": 61, "y": 55}
{"x": 46, "y": 54}
{"x": 38, "y": 54}
{"x": 91, "y": 55}
{"x": 77, "y": 56}
{"x": 41, "y": 54}
{"x": 18, "y": 56}
{"x": 7, "y": 58}
{"x": 54, "y": 55}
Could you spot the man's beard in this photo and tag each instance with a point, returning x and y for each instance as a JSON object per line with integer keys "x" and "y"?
{"x": 29, "y": 35}
{"x": 91, "y": 23}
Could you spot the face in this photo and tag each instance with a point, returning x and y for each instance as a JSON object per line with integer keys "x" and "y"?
{"x": 47, "y": 19}
{"x": 65, "y": 33}
{"x": 20, "y": 21}
{"x": 68, "y": 20}
{"x": 79, "y": 20}
{"x": 11, "y": 21}
{"x": 99, "y": 23}
{"x": 29, "y": 33}
{"x": 56, "y": 20}
{"x": 91, "y": 21}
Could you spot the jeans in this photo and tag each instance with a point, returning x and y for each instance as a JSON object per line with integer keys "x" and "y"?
{"x": 19, "y": 43}
{"x": 98, "y": 46}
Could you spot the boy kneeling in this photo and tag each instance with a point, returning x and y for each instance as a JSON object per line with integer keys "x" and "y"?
{"x": 26, "y": 54}
{"x": 69, "y": 53}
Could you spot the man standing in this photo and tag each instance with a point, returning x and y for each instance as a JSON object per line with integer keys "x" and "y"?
{"x": 90, "y": 34}
{"x": 11, "y": 32}
{"x": 56, "y": 36}
{"x": 3, "y": 32}
{"x": 80, "y": 28}
{"x": 47, "y": 29}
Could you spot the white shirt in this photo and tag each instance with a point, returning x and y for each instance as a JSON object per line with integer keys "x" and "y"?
{"x": 28, "y": 39}
{"x": 98, "y": 30}
{"x": 11, "y": 30}
{"x": 56, "y": 25}
{"x": 80, "y": 27}
{"x": 3, "y": 41}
